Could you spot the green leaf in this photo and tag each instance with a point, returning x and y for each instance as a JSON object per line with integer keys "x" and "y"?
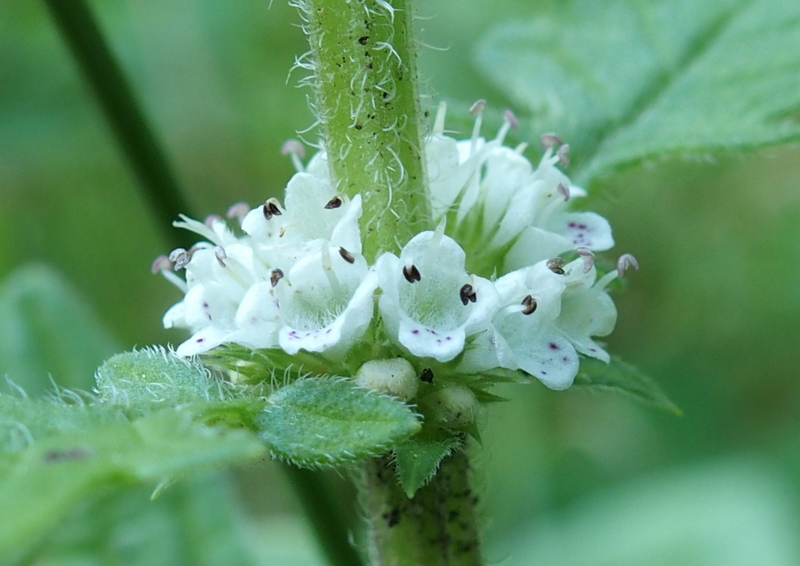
{"x": 153, "y": 375}
{"x": 41, "y": 482}
{"x": 629, "y": 80}
{"x": 418, "y": 458}
{"x": 48, "y": 329}
{"x": 327, "y": 421}
{"x": 194, "y": 523}
{"x": 623, "y": 378}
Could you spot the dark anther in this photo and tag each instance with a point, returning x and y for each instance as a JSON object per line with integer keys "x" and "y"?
{"x": 335, "y": 202}
{"x": 363, "y": 39}
{"x": 468, "y": 294}
{"x": 426, "y": 375}
{"x": 411, "y": 273}
{"x": 358, "y": 126}
{"x": 275, "y": 276}
{"x": 530, "y": 305}
{"x": 347, "y": 256}
{"x": 556, "y": 265}
{"x": 271, "y": 209}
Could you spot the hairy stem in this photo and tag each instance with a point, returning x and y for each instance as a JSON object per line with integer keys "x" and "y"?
{"x": 436, "y": 527}
{"x": 363, "y": 60}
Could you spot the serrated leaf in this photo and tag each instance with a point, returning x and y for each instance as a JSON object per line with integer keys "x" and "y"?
{"x": 628, "y": 80}
{"x": 48, "y": 477}
{"x": 154, "y": 375}
{"x": 47, "y": 329}
{"x": 327, "y": 421}
{"x": 418, "y": 458}
{"x": 622, "y": 377}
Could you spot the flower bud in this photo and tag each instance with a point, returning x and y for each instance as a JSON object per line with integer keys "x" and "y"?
{"x": 394, "y": 376}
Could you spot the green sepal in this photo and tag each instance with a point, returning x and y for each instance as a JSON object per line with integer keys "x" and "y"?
{"x": 622, "y": 377}
{"x": 317, "y": 422}
{"x": 417, "y": 458}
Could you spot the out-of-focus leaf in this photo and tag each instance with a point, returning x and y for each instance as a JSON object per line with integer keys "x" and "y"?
{"x": 41, "y": 482}
{"x": 46, "y": 329}
{"x": 734, "y": 512}
{"x": 327, "y": 421}
{"x": 194, "y": 523}
{"x": 623, "y": 378}
{"x": 417, "y": 458}
{"x": 628, "y": 80}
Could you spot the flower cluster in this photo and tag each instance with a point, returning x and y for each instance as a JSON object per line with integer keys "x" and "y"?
{"x": 488, "y": 288}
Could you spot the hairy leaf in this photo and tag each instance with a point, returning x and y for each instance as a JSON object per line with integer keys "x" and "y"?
{"x": 629, "y": 80}
{"x": 418, "y": 458}
{"x": 623, "y": 378}
{"x": 327, "y": 421}
{"x": 154, "y": 375}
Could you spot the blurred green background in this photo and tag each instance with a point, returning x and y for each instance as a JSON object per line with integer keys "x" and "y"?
{"x": 568, "y": 478}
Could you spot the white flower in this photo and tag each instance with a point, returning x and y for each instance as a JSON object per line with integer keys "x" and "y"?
{"x": 524, "y": 333}
{"x": 495, "y": 198}
{"x": 326, "y": 301}
{"x": 586, "y": 309}
{"x": 429, "y": 303}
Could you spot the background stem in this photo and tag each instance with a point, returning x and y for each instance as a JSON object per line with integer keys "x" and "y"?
{"x": 146, "y": 157}
{"x": 123, "y": 113}
{"x": 321, "y": 510}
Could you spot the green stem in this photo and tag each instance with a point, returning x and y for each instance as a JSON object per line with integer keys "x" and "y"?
{"x": 320, "y": 508}
{"x": 436, "y": 527}
{"x": 367, "y": 102}
{"x": 139, "y": 144}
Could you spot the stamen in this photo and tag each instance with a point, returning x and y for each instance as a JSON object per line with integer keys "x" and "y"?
{"x": 327, "y": 268}
{"x": 211, "y": 219}
{"x": 347, "y": 256}
{"x": 438, "y": 124}
{"x": 238, "y": 211}
{"x": 477, "y": 107}
{"x": 556, "y": 265}
{"x": 563, "y": 154}
{"x": 564, "y": 190}
{"x": 180, "y": 258}
{"x": 335, "y": 202}
{"x": 295, "y": 150}
{"x": 161, "y": 263}
{"x": 511, "y": 119}
{"x": 275, "y": 276}
{"x": 550, "y": 139}
{"x": 588, "y": 258}
{"x": 426, "y": 375}
{"x": 477, "y": 111}
{"x": 468, "y": 294}
{"x": 411, "y": 273}
{"x": 530, "y": 305}
{"x": 221, "y": 255}
{"x": 625, "y": 262}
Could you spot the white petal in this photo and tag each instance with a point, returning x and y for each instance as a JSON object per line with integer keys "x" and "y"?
{"x": 534, "y": 245}
{"x": 583, "y": 230}
{"x": 323, "y": 308}
{"x": 258, "y": 318}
